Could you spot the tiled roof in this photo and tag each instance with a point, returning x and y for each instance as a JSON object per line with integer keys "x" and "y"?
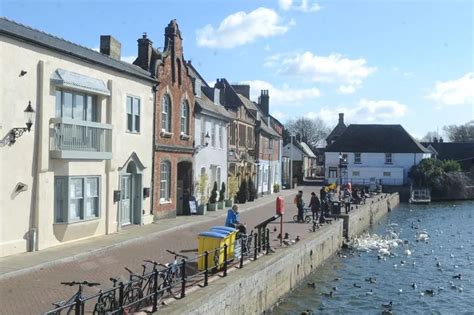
{"x": 377, "y": 139}
{"x": 452, "y": 150}
{"x": 48, "y": 41}
{"x": 218, "y": 110}
{"x": 307, "y": 150}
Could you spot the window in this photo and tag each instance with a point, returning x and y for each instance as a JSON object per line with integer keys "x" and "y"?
{"x": 165, "y": 181}
{"x": 203, "y": 131}
{"x": 221, "y": 137}
{"x": 76, "y": 105}
{"x": 166, "y": 113}
{"x": 355, "y": 173}
{"x": 249, "y": 136}
{"x": 388, "y": 158}
{"x": 218, "y": 178}
{"x": 76, "y": 198}
{"x": 133, "y": 114}
{"x": 232, "y": 131}
{"x": 332, "y": 172}
{"x": 242, "y": 141}
{"x": 387, "y": 174}
{"x": 185, "y": 118}
{"x": 357, "y": 159}
{"x": 270, "y": 144}
{"x": 213, "y": 135}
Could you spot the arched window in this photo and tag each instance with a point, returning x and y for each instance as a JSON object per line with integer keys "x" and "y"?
{"x": 185, "y": 118}
{"x": 166, "y": 113}
{"x": 165, "y": 181}
{"x": 178, "y": 66}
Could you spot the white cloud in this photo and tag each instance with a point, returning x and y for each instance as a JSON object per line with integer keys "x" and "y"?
{"x": 302, "y": 5}
{"x": 278, "y": 115}
{"x": 241, "y": 28}
{"x": 455, "y": 92}
{"x": 129, "y": 59}
{"x": 349, "y": 73}
{"x": 96, "y": 49}
{"x": 365, "y": 111}
{"x": 284, "y": 95}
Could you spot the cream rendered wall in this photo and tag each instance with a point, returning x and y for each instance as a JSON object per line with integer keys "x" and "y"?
{"x": 18, "y": 161}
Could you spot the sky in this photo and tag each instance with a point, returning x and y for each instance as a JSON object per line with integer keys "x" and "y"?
{"x": 378, "y": 62}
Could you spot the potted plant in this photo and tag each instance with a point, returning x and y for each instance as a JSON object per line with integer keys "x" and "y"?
{"x": 202, "y": 186}
{"x": 220, "y": 203}
{"x": 276, "y": 188}
{"x": 243, "y": 193}
{"x": 233, "y": 185}
{"x": 252, "y": 190}
{"x": 212, "y": 205}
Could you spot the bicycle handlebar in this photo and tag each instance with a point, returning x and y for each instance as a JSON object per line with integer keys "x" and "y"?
{"x": 133, "y": 274}
{"x": 87, "y": 283}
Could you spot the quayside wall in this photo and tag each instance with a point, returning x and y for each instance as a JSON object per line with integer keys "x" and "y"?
{"x": 260, "y": 284}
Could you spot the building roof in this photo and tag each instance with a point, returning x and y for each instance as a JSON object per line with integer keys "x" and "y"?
{"x": 307, "y": 150}
{"x": 208, "y": 107}
{"x": 253, "y": 108}
{"x": 32, "y": 36}
{"x": 376, "y": 139}
{"x": 457, "y": 151}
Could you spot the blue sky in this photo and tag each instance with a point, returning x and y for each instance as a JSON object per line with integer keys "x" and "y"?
{"x": 406, "y": 62}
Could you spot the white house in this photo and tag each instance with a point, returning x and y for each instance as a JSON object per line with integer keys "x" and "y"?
{"x": 85, "y": 168}
{"x": 368, "y": 154}
{"x": 302, "y": 157}
{"x": 210, "y": 134}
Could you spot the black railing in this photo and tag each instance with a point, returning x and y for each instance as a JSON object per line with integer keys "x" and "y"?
{"x": 151, "y": 288}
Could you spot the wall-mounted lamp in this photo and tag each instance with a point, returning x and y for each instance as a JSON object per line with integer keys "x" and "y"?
{"x": 18, "y": 132}
{"x": 202, "y": 146}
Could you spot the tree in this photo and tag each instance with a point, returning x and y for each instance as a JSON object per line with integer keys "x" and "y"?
{"x": 430, "y": 136}
{"x": 252, "y": 190}
{"x": 213, "y": 198}
{"x": 310, "y": 131}
{"x": 427, "y": 172}
{"x": 462, "y": 133}
{"x": 222, "y": 192}
{"x": 243, "y": 193}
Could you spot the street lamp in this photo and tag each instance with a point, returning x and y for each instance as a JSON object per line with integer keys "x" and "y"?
{"x": 291, "y": 161}
{"x": 342, "y": 165}
{"x": 202, "y": 146}
{"x": 30, "y": 117}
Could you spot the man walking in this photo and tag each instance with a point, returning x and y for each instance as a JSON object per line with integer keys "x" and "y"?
{"x": 300, "y": 204}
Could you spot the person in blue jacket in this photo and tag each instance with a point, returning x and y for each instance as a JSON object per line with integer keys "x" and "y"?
{"x": 233, "y": 217}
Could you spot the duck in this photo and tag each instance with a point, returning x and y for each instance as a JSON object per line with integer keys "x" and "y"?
{"x": 307, "y": 312}
{"x": 371, "y": 280}
{"x": 388, "y": 305}
{"x": 458, "y": 276}
{"x": 312, "y": 284}
{"x": 429, "y": 291}
{"x": 413, "y": 285}
{"x": 387, "y": 312}
{"x": 330, "y": 294}
{"x": 371, "y": 292}
{"x": 357, "y": 285}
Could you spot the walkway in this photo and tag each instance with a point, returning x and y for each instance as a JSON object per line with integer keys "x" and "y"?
{"x": 37, "y": 275}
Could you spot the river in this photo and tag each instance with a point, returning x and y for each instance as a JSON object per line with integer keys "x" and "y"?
{"x": 429, "y": 246}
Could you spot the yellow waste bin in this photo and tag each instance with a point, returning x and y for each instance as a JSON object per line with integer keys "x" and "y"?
{"x": 230, "y": 238}
{"x": 210, "y": 241}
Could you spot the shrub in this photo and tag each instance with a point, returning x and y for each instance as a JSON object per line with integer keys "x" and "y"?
{"x": 222, "y": 192}
{"x": 276, "y": 188}
{"x": 428, "y": 171}
{"x": 233, "y": 184}
{"x": 243, "y": 194}
{"x": 213, "y": 198}
{"x": 252, "y": 190}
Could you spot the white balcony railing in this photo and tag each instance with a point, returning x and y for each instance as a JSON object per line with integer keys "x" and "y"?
{"x": 77, "y": 139}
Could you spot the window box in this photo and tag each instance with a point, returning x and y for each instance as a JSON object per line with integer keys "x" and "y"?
{"x": 166, "y": 134}
{"x": 184, "y": 137}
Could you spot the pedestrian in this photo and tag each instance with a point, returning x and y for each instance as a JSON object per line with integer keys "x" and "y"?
{"x": 315, "y": 205}
{"x": 299, "y": 205}
{"x": 347, "y": 199}
{"x": 233, "y": 217}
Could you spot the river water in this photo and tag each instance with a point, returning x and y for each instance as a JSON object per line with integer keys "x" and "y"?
{"x": 413, "y": 249}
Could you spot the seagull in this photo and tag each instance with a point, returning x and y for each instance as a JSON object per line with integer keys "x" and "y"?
{"x": 357, "y": 285}
{"x": 458, "y": 276}
{"x": 413, "y": 285}
{"x": 388, "y": 305}
{"x": 371, "y": 292}
{"x": 400, "y": 291}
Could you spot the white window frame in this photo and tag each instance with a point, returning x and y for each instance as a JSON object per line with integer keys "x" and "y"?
{"x": 387, "y": 174}
{"x": 90, "y": 105}
{"x": 388, "y": 158}
{"x": 166, "y": 113}
{"x": 185, "y": 118}
{"x": 165, "y": 181}
{"x": 133, "y": 113}
{"x": 221, "y": 137}
{"x": 357, "y": 158}
{"x": 213, "y": 134}
{"x": 63, "y": 196}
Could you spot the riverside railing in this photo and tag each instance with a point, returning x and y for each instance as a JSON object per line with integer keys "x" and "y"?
{"x": 151, "y": 288}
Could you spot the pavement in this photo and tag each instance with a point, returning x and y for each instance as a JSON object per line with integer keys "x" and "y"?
{"x": 30, "y": 282}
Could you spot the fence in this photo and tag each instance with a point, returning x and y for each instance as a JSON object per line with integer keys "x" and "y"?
{"x": 170, "y": 281}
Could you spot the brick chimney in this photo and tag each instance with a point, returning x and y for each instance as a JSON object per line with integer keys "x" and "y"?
{"x": 341, "y": 118}
{"x": 110, "y": 46}
{"x": 243, "y": 89}
{"x": 264, "y": 102}
{"x": 145, "y": 50}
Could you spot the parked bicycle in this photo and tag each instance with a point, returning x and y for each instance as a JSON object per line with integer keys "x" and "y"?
{"x": 70, "y": 304}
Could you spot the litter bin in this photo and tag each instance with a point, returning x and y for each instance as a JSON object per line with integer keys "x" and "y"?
{"x": 210, "y": 241}
{"x": 231, "y": 235}
{"x": 336, "y": 207}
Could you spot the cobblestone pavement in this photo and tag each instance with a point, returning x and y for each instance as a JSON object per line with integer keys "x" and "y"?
{"x": 34, "y": 290}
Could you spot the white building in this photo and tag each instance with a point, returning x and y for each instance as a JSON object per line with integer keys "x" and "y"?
{"x": 381, "y": 154}
{"x": 85, "y": 169}
{"x": 210, "y": 134}
{"x": 303, "y": 159}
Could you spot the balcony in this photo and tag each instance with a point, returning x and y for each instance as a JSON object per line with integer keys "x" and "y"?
{"x": 82, "y": 140}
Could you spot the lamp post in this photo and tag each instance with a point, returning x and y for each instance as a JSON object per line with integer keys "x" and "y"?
{"x": 30, "y": 117}
{"x": 291, "y": 161}
{"x": 202, "y": 146}
{"x": 342, "y": 165}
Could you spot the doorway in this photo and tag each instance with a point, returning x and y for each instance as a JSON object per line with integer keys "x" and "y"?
{"x": 184, "y": 187}
{"x": 130, "y": 195}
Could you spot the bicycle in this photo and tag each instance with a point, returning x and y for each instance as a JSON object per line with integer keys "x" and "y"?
{"x": 71, "y": 302}
{"x": 307, "y": 214}
{"x": 107, "y": 302}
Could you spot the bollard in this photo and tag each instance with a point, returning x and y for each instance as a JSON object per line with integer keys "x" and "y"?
{"x": 121, "y": 297}
{"x": 268, "y": 241}
{"x": 259, "y": 239}
{"x": 155, "y": 289}
{"x": 183, "y": 278}
{"x": 241, "y": 253}
{"x": 206, "y": 267}
{"x": 255, "y": 247}
{"x": 225, "y": 260}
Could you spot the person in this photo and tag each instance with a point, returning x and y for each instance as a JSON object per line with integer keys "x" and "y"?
{"x": 315, "y": 205}
{"x": 299, "y": 205}
{"x": 233, "y": 217}
{"x": 347, "y": 199}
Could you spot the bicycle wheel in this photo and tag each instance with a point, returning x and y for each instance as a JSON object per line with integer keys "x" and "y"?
{"x": 308, "y": 218}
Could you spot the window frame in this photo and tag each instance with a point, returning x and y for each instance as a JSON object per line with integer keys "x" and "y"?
{"x": 357, "y": 158}
{"x": 221, "y": 136}
{"x": 66, "y": 202}
{"x": 184, "y": 118}
{"x": 166, "y": 123}
{"x": 165, "y": 183}
{"x": 132, "y": 115}
{"x": 388, "y": 158}
{"x": 90, "y": 105}
{"x": 213, "y": 134}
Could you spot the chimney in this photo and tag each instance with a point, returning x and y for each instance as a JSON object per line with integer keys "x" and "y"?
{"x": 217, "y": 98}
{"x": 243, "y": 89}
{"x": 435, "y": 140}
{"x": 341, "y": 118}
{"x": 110, "y": 46}
{"x": 264, "y": 102}
{"x": 145, "y": 49}
{"x": 441, "y": 139}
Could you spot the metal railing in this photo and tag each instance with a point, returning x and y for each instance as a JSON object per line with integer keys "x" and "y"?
{"x": 77, "y": 135}
{"x": 151, "y": 288}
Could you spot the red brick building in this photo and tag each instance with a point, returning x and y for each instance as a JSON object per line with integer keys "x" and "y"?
{"x": 174, "y": 125}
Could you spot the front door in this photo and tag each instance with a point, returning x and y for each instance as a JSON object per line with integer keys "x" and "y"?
{"x": 126, "y": 207}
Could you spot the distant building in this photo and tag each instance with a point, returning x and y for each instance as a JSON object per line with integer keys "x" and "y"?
{"x": 337, "y": 131}
{"x": 373, "y": 154}
{"x": 462, "y": 152}
{"x": 303, "y": 158}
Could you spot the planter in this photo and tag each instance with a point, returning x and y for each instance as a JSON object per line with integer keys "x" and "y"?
{"x": 220, "y": 205}
{"x": 211, "y": 206}
{"x": 228, "y": 202}
{"x": 202, "y": 209}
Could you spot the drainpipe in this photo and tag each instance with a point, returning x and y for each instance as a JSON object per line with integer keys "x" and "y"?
{"x": 152, "y": 193}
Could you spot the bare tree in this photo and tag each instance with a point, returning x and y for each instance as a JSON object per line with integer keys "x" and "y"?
{"x": 462, "y": 133}
{"x": 430, "y": 136}
{"x": 310, "y": 131}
